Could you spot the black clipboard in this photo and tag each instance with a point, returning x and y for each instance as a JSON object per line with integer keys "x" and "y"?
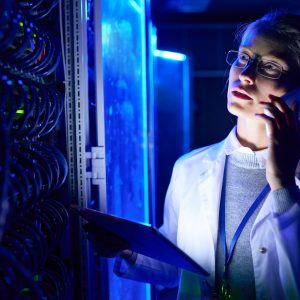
{"x": 142, "y": 238}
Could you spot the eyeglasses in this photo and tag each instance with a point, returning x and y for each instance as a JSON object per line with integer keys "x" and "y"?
{"x": 265, "y": 68}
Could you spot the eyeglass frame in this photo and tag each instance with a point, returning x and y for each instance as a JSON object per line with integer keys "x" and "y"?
{"x": 251, "y": 60}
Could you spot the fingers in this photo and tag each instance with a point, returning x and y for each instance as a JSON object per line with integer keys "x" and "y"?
{"x": 271, "y": 126}
{"x": 283, "y": 138}
{"x": 278, "y": 116}
{"x": 274, "y": 117}
{"x": 290, "y": 114}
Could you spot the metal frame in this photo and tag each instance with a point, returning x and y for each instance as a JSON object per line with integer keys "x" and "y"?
{"x": 77, "y": 96}
{"x": 100, "y": 104}
{"x": 77, "y": 136}
{"x": 100, "y": 128}
{"x": 86, "y": 276}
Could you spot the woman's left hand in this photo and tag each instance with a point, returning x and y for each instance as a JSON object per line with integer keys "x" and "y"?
{"x": 283, "y": 133}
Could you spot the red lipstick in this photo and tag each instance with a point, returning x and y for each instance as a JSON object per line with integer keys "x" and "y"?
{"x": 241, "y": 95}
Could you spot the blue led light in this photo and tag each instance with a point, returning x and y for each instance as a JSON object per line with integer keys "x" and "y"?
{"x": 169, "y": 55}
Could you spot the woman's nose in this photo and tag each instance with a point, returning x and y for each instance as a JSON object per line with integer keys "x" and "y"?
{"x": 248, "y": 73}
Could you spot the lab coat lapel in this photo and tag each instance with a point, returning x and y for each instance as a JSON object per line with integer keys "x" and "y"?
{"x": 210, "y": 192}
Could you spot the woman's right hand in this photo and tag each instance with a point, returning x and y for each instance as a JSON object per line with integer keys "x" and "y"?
{"x": 106, "y": 243}
{"x": 284, "y": 142}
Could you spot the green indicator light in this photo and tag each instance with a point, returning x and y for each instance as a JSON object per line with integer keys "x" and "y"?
{"x": 20, "y": 111}
{"x": 36, "y": 277}
{"x": 21, "y": 24}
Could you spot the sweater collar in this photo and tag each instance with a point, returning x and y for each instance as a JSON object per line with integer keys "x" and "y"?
{"x": 233, "y": 145}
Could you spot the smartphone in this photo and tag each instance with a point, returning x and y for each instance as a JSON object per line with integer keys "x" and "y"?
{"x": 291, "y": 96}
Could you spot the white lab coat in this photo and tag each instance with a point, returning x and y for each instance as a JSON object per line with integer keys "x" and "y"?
{"x": 191, "y": 221}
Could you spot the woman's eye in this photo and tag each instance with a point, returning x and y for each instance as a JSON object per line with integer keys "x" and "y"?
{"x": 243, "y": 58}
{"x": 270, "y": 66}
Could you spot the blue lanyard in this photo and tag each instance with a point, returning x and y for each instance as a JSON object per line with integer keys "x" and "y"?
{"x": 228, "y": 255}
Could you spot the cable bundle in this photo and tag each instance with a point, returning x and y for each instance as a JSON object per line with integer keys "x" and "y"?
{"x": 54, "y": 279}
{"x": 38, "y": 9}
{"x": 37, "y": 170}
{"x": 31, "y": 223}
{"x": 14, "y": 277}
{"x": 35, "y": 235}
{"x": 32, "y": 109}
{"x": 29, "y": 243}
{"x": 26, "y": 49}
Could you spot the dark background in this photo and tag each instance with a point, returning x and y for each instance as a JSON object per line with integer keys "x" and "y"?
{"x": 204, "y": 30}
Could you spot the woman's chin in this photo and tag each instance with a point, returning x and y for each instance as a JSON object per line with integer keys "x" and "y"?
{"x": 242, "y": 113}
{"x": 236, "y": 110}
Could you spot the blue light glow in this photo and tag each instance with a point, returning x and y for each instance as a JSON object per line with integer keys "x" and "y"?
{"x": 126, "y": 121}
{"x": 169, "y": 55}
{"x": 136, "y": 7}
{"x": 153, "y": 35}
{"x": 171, "y": 120}
{"x": 145, "y": 121}
{"x": 151, "y": 117}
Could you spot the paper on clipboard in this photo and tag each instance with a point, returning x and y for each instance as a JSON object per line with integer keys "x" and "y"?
{"x": 142, "y": 238}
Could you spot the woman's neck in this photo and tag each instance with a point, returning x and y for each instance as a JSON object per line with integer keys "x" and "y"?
{"x": 252, "y": 135}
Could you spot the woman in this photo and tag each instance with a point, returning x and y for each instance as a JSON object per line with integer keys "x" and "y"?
{"x": 212, "y": 188}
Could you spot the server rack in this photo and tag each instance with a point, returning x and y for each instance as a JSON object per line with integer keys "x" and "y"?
{"x": 56, "y": 58}
{"x": 33, "y": 167}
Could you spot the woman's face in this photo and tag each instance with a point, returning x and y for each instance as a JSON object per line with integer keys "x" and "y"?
{"x": 247, "y": 88}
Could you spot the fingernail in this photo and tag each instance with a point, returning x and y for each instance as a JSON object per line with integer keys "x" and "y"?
{"x": 268, "y": 113}
{"x": 268, "y": 131}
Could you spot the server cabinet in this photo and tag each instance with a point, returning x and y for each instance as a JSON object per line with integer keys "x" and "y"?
{"x": 105, "y": 44}
{"x": 33, "y": 167}
{"x": 110, "y": 117}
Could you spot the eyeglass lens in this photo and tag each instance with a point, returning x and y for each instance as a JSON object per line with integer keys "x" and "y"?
{"x": 265, "y": 68}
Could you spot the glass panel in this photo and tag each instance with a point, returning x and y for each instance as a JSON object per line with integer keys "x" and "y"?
{"x": 172, "y": 131}
{"x": 123, "y": 42}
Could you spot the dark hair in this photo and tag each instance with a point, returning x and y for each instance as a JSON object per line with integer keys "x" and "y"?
{"x": 284, "y": 25}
